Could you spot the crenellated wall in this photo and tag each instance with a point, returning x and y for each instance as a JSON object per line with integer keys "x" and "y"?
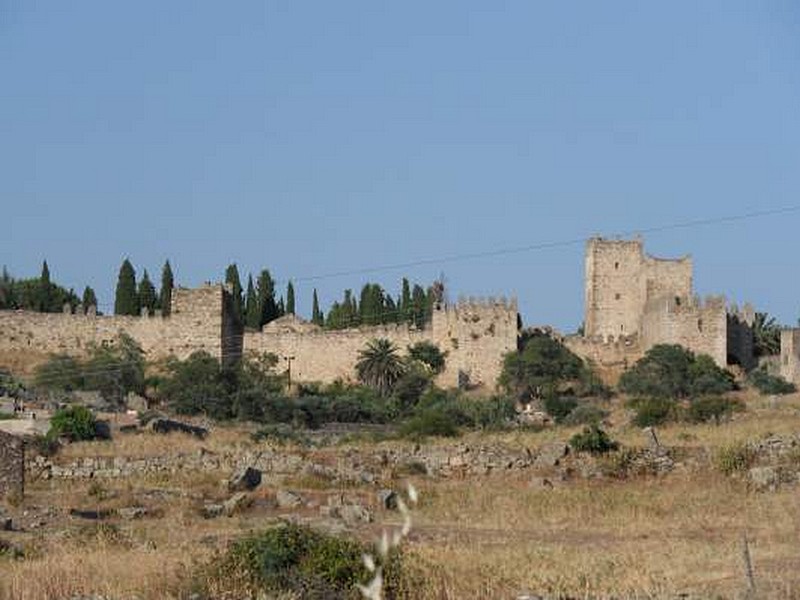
{"x": 700, "y": 326}
{"x": 475, "y": 335}
{"x": 609, "y": 357}
{"x": 200, "y": 319}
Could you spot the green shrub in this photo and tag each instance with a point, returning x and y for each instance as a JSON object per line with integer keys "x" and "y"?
{"x": 585, "y": 414}
{"x": 672, "y": 371}
{"x": 75, "y": 423}
{"x": 653, "y": 411}
{"x": 539, "y": 369}
{"x": 734, "y": 458}
{"x": 281, "y": 434}
{"x": 430, "y": 422}
{"x": 7, "y": 416}
{"x": 484, "y": 413}
{"x": 712, "y": 408}
{"x": 45, "y": 445}
{"x": 559, "y": 407}
{"x": 428, "y": 354}
{"x": 290, "y": 559}
{"x": 766, "y": 383}
{"x": 592, "y": 440}
{"x": 59, "y": 372}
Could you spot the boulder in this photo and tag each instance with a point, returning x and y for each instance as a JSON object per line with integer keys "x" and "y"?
{"x": 134, "y": 401}
{"x": 132, "y": 513}
{"x": 550, "y": 455}
{"x": 288, "y": 499}
{"x": 764, "y": 478}
{"x": 211, "y": 511}
{"x": 246, "y": 478}
{"x": 236, "y": 504}
{"x": 354, "y": 514}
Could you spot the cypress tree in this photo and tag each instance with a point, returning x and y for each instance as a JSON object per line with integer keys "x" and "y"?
{"x": 389, "y": 313}
{"x": 281, "y": 308}
{"x": 167, "y": 284}
{"x": 235, "y": 284}
{"x": 252, "y": 316}
{"x": 147, "y": 294}
{"x": 44, "y": 299}
{"x": 126, "y": 301}
{"x": 89, "y": 298}
{"x": 316, "y": 314}
{"x": 405, "y": 301}
{"x": 290, "y": 299}
{"x": 334, "y": 320}
{"x": 419, "y": 301}
{"x": 6, "y": 290}
{"x": 265, "y": 290}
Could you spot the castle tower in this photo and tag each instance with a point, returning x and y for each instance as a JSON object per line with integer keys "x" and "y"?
{"x": 613, "y": 295}
{"x": 620, "y": 281}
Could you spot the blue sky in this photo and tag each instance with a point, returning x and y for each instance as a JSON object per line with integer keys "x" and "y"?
{"x": 313, "y": 138}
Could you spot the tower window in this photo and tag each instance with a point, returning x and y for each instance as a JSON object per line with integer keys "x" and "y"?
{"x": 616, "y": 265}
{"x": 699, "y": 324}
{"x": 617, "y": 296}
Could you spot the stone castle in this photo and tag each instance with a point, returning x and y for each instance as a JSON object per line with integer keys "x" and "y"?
{"x": 632, "y": 302}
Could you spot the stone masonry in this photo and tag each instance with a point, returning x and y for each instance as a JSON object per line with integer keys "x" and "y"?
{"x": 634, "y": 301}
{"x": 201, "y": 319}
{"x": 474, "y": 334}
{"x": 12, "y": 465}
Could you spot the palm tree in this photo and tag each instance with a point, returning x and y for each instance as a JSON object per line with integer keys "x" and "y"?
{"x": 766, "y": 335}
{"x": 379, "y": 366}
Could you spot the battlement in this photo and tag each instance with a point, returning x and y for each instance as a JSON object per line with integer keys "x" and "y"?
{"x": 684, "y": 305}
{"x": 200, "y": 319}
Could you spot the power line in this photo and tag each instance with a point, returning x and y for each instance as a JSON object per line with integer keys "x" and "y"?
{"x": 453, "y": 258}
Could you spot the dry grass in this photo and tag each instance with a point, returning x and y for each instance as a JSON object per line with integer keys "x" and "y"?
{"x": 647, "y": 538}
{"x": 146, "y": 443}
{"x": 474, "y": 538}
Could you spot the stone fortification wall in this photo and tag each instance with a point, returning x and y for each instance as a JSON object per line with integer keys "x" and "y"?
{"x": 699, "y": 326}
{"x": 790, "y": 355}
{"x": 609, "y": 358}
{"x": 475, "y": 336}
{"x": 322, "y": 355}
{"x": 196, "y": 323}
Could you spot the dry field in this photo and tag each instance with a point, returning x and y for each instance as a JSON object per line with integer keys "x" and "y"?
{"x": 480, "y": 537}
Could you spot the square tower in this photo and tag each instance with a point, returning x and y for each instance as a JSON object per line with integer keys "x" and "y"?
{"x": 621, "y": 279}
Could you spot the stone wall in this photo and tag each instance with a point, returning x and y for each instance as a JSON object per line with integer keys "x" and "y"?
{"x": 198, "y": 321}
{"x": 699, "y": 326}
{"x": 475, "y": 336}
{"x": 609, "y": 357}
{"x": 790, "y": 355}
{"x": 12, "y": 465}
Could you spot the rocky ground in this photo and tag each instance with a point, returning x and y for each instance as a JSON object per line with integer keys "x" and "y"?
{"x": 665, "y": 515}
